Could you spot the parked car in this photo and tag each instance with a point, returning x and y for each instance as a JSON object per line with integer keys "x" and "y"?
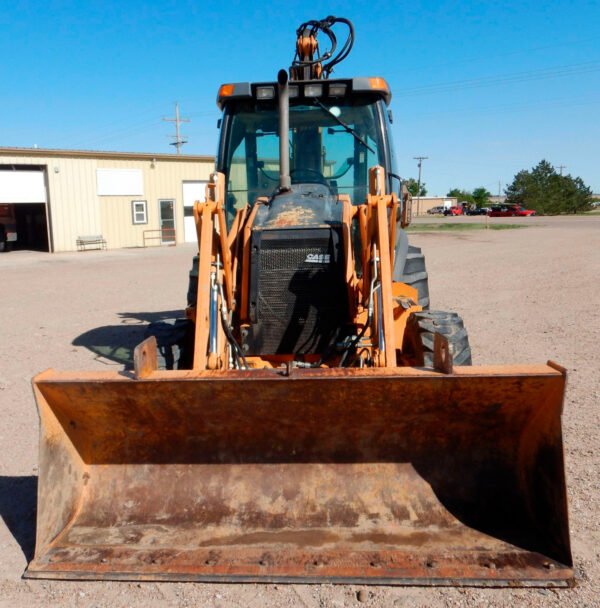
{"x": 453, "y": 211}
{"x": 522, "y": 212}
{"x": 510, "y": 211}
{"x": 478, "y": 211}
{"x": 436, "y": 211}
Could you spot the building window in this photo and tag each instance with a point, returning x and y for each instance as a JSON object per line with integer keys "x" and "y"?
{"x": 139, "y": 212}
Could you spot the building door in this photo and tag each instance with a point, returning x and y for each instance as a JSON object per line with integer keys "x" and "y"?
{"x": 192, "y": 192}
{"x": 24, "y": 202}
{"x": 167, "y": 221}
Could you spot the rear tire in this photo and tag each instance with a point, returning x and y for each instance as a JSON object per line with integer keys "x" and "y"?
{"x": 174, "y": 341}
{"x": 415, "y": 275}
{"x": 421, "y": 327}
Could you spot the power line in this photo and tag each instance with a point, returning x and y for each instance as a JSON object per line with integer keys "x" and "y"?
{"x": 179, "y": 141}
{"x": 565, "y": 102}
{"x": 146, "y": 125}
{"x": 113, "y": 128}
{"x": 495, "y": 54}
{"x": 515, "y": 77}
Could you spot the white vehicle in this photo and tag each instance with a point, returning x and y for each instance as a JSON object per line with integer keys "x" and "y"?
{"x": 436, "y": 210}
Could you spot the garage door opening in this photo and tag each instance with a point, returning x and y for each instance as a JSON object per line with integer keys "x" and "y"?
{"x": 24, "y": 199}
{"x": 32, "y": 227}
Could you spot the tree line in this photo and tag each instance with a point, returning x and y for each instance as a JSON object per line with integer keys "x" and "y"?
{"x": 542, "y": 188}
{"x": 549, "y": 192}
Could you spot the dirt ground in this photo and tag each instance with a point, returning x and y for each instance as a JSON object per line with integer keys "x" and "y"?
{"x": 526, "y": 295}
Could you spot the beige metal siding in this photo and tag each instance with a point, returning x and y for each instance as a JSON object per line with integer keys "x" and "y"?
{"x": 420, "y": 206}
{"x": 72, "y": 201}
{"x": 164, "y": 181}
{"x": 75, "y": 208}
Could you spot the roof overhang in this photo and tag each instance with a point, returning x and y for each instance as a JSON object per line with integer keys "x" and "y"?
{"x": 61, "y": 153}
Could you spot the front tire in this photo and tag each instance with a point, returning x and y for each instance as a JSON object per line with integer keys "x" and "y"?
{"x": 421, "y": 327}
{"x": 415, "y": 275}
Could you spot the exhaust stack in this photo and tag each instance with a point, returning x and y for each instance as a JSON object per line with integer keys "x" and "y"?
{"x": 285, "y": 181}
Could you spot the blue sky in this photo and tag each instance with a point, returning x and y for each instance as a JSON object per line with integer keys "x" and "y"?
{"x": 482, "y": 89}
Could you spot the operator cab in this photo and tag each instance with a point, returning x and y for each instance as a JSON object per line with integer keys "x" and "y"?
{"x": 338, "y": 130}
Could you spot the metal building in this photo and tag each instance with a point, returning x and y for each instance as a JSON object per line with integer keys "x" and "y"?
{"x": 422, "y": 204}
{"x": 60, "y": 197}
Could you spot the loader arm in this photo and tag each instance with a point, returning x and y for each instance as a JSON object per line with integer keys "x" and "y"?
{"x": 377, "y": 216}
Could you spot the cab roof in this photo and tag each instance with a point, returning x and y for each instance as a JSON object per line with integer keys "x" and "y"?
{"x": 306, "y": 89}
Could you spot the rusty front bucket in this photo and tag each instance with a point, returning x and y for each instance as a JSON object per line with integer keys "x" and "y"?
{"x": 398, "y": 476}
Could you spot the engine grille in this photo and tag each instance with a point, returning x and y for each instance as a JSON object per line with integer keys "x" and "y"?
{"x": 297, "y": 294}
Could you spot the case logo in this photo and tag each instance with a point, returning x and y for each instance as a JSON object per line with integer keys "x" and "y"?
{"x": 318, "y": 258}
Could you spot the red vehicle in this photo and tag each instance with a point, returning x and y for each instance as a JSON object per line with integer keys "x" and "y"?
{"x": 453, "y": 211}
{"x": 510, "y": 211}
{"x": 8, "y": 226}
{"x": 522, "y": 212}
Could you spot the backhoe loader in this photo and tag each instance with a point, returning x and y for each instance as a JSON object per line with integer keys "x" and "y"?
{"x": 315, "y": 420}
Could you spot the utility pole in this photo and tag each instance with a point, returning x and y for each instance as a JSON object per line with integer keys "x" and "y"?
{"x": 179, "y": 141}
{"x": 499, "y": 189}
{"x": 420, "y": 159}
{"x": 561, "y": 167}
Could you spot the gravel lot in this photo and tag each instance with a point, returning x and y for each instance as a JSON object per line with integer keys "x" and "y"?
{"x": 526, "y": 296}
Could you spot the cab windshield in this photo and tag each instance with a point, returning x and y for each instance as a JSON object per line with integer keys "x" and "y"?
{"x": 330, "y": 143}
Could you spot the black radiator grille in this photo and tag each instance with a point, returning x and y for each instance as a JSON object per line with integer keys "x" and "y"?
{"x": 297, "y": 296}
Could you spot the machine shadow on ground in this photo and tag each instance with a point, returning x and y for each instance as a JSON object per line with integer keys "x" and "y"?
{"x": 115, "y": 343}
{"x": 18, "y": 508}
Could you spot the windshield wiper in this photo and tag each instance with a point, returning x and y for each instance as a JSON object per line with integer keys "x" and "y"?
{"x": 346, "y": 126}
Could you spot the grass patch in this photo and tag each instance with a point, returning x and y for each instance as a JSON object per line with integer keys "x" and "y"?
{"x": 455, "y": 227}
